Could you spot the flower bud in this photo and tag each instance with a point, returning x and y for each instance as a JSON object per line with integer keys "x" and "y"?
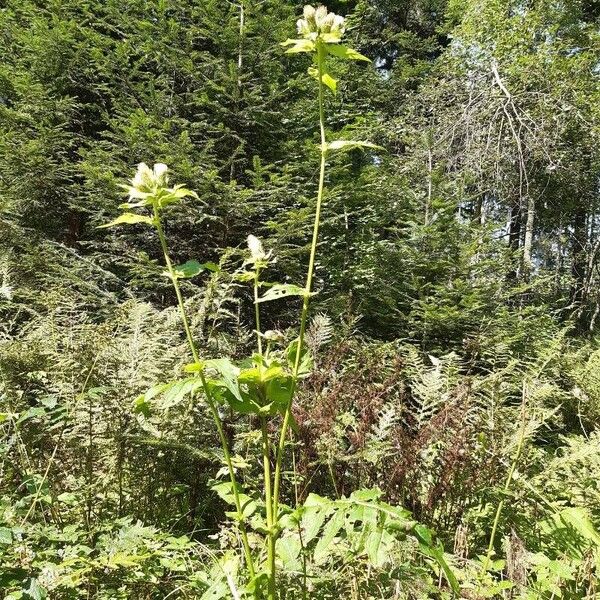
{"x": 338, "y": 24}
{"x": 143, "y": 178}
{"x": 273, "y": 335}
{"x": 160, "y": 174}
{"x": 309, "y": 14}
{"x": 320, "y": 16}
{"x": 255, "y": 246}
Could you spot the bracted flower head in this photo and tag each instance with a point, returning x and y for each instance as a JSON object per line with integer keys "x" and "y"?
{"x": 257, "y": 252}
{"x": 318, "y": 22}
{"x": 147, "y": 180}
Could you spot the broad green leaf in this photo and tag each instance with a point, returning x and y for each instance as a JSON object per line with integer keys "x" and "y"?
{"x": 196, "y": 367}
{"x": 33, "y": 590}
{"x": 288, "y": 550}
{"x": 31, "y": 413}
{"x": 211, "y": 266}
{"x": 298, "y": 46}
{"x": 279, "y": 391}
{"x": 349, "y": 145}
{"x": 315, "y": 511}
{"x": 191, "y": 268}
{"x": 5, "y": 535}
{"x": 225, "y": 491}
{"x": 128, "y": 219}
{"x": 305, "y": 365}
{"x": 346, "y": 53}
{"x": 68, "y": 498}
{"x": 578, "y": 519}
{"x": 330, "y": 531}
{"x": 281, "y": 290}
{"x": 377, "y": 544}
{"x": 229, "y": 374}
{"x": 330, "y": 82}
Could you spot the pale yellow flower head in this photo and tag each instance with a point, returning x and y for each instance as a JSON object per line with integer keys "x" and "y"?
{"x": 318, "y": 22}
{"x": 257, "y": 252}
{"x": 147, "y": 180}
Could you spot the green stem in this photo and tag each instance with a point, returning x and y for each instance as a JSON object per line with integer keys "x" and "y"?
{"x": 209, "y": 400}
{"x": 266, "y": 450}
{"x": 307, "y": 287}
{"x": 509, "y": 477}
{"x": 257, "y": 310}
{"x": 271, "y": 593}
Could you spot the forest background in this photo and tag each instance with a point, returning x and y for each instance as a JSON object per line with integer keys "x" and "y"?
{"x": 458, "y": 284}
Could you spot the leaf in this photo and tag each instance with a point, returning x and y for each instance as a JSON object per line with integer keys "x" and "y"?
{"x": 191, "y": 268}
{"x": 32, "y": 589}
{"x": 299, "y": 46}
{"x": 195, "y": 367}
{"x": 229, "y": 375}
{"x": 578, "y": 519}
{"x": 314, "y": 516}
{"x": 349, "y": 145}
{"x": 128, "y": 219}
{"x": 175, "y": 392}
{"x": 167, "y": 196}
{"x": 345, "y": 52}
{"x": 5, "y": 535}
{"x": 306, "y": 363}
{"x": 211, "y": 266}
{"x": 281, "y": 290}
{"x": 225, "y": 491}
{"x": 330, "y": 82}
{"x": 288, "y": 550}
{"x": 31, "y": 413}
{"x": 330, "y": 531}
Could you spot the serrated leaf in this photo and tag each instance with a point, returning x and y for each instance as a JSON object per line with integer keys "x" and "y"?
{"x": 281, "y": 290}
{"x": 128, "y": 219}
{"x": 345, "y": 52}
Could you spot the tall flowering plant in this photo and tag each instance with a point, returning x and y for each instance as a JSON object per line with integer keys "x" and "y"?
{"x": 272, "y": 535}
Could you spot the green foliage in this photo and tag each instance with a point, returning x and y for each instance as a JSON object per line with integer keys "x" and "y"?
{"x": 450, "y": 320}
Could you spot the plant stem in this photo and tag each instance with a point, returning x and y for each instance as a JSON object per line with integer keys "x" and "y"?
{"x": 509, "y": 478}
{"x": 257, "y": 311}
{"x": 266, "y": 452}
{"x": 271, "y": 593}
{"x": 209, "y": 400}
{"x": 307, "y": 287}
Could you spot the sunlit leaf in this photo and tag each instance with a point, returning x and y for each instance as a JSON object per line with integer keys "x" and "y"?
{"x": 345, "y": 53}
{"x": 281, "y": 290}
{"x": 128, "y": 219}
{"x": 330, "y": 82}
{"x": 298, "y": 46}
